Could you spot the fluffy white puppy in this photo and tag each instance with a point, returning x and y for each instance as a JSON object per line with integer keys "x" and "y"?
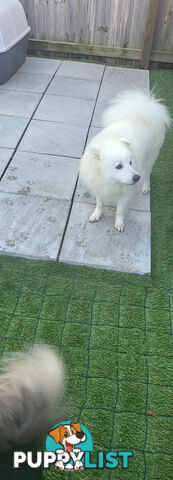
{"x": 125, "y": 150}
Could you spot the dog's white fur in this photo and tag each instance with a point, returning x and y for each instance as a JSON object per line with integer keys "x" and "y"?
{"x": 134, "y": 131}
{"x": 30, "y": 384}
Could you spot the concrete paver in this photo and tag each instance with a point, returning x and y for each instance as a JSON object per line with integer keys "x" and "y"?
{"x": 100, "y": 245}
{"x": 11, "y": 130}
{"x": 40, "y": 65}
{"x": 41, "y": 175}
{"x": 5, "y": 155}
{"x": 74, "y": 87}
{"x": 27, "y": 82}
{"x": 88, "y": 71}
{"x": 73, "y": 111}
{"x": 54, "y": 138}
{"x": 18, "y": 104}
{"x": 32, "y": 226}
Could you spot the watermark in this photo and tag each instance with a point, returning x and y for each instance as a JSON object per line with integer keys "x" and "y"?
{"x": 69, "y": 447}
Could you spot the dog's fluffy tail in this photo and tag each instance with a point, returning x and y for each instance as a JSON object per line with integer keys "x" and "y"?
{"x": 137, "y": 105}
{"x": 30, "y": 385}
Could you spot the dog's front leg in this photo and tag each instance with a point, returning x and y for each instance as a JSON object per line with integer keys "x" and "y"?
{"x": 146, "y": 182}
{"x": 79, "y": 465}
{"x": 60, "y": 465}
{"x": 119, "y": 219}
{"x": 95, "y": 216}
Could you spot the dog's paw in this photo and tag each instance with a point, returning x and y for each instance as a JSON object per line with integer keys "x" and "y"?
{"x": 94, "y": 217}
{"x": 69, "y": 466}
{"x": 145, "y": 190}
{"x": 119, "y": 227}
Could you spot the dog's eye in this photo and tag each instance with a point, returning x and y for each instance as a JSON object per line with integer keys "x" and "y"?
{"x": 119, "y": 166}
{"x": 66, "y": 434}
{"x": 130, "y": 162}
{"x": 73, "y": 431}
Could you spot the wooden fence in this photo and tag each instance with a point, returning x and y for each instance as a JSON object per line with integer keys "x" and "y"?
{"x": 111, "y": 27}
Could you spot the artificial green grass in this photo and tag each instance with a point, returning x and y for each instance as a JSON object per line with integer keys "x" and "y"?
{"x": 114, "y": 332}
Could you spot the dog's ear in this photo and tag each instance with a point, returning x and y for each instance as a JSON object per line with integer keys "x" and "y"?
{"x": 125, "y": 140}
{"x": 95, "y": 149}
{"x": 56, "y": 433}
{"x": 76, "y": 426}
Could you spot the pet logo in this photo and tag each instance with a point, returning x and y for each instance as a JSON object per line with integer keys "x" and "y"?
{"x": 69, "y": 440}
{"x": 70, "y": 445}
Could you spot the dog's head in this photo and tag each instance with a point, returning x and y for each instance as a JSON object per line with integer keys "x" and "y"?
{"x": 68, "y": 435}
{"x": 116, "y": 161}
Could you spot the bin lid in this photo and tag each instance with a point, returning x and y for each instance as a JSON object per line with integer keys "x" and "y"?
{"x": 13, "y": 24}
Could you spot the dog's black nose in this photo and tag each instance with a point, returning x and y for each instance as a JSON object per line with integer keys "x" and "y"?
{"x": 136, "y": 178}
{"x": 79, "y": 434}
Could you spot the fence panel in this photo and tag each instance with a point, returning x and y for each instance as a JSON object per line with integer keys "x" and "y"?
{"x": 119, "y": 23}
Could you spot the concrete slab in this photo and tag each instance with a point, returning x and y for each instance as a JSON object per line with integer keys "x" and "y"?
{"x": 130, "y": 76}
{"x": 30, "y": 226}
{"x": 41, "y": 175}
{"x": 100, "y": 245}
{"x": 27, "y": 82}
{"x": 40, "y": 65}
{"x": 115, "y": 80}
{"x": 74, "y": 87}
{"x": 88, "y": 71}
{"x": 5, "y": 155}
{"x": 138, "y": 201}
{"x": 18, "y": 104}
{"x": 93, "y": 131}
{"x": 75, "y": 111}
{"x": 109, "y": 90}
{"x": 11, "y": 129}
{"x": 54, "y": 139}
{"x": 99, "y": 110}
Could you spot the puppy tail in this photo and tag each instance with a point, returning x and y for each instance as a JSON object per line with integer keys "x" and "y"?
{"x": 30, "y": 384}
{"x": 140, "y": 106}
{"x": 166, "y": 117}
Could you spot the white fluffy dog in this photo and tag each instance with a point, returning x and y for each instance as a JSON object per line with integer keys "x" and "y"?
{"x": 30, "y": 386}
{"x": 127, "y": 148}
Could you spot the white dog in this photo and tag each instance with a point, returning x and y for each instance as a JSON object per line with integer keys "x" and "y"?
{"x": 127, "y": 148}
{"x": 69, "y": 436}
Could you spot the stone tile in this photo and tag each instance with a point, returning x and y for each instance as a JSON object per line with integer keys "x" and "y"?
{"x": 40, "y": 65}
{"x": 115, "y": 80}
{"x": 75, "y": 111}
{"x": 5, "y": 155}
{"x": 42, "y": 175}
{"x": 138, "y": 201}
{"x": 54, "y": 139}
{"x": 27, "y": 82}
{"x": 31, "y": 227}
{"x": 128, "y": 76}
{"x": 88, "y": 71}
{"x": 100, "y": 245}
{"x": 11, "y": 129}
{"x": 109, "y": 90}
{"x": 74, "y": 87}
{"x": 18, "y": 104}
{"x": 98, "y": 113}
{"x": 93, "y": 131}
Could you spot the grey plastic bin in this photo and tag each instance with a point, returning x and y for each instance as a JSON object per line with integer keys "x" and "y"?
{"x": 14, "y": 32}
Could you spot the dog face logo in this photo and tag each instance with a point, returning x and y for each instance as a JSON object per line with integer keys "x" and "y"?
{"x": 68, "y": 435}
{"x": 69, "y": 441}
